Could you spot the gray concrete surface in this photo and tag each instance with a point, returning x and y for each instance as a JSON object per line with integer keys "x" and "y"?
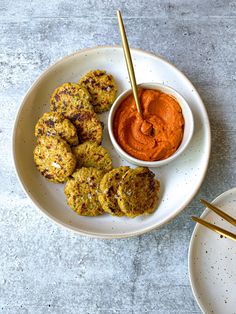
{"x": 46, "y": 269}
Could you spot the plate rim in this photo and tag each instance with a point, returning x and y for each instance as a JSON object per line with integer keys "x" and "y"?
{"x": 190, "y": 250}
{"x": 106, "y": 235}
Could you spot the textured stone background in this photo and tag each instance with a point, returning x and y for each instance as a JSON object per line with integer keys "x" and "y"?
{"x": 46, "y": 269}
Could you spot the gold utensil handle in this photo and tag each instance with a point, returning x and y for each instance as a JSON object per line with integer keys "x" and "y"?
{"x": 128, "y": 60}
{"x": 219, "y": 212}
{"x": 212, "y": 227}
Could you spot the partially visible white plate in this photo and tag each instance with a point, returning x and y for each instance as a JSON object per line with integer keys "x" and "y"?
{"x": 180, "y": 180}
{"x": 212, "y": 261}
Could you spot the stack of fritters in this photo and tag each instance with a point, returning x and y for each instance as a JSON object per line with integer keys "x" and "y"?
{"x": 68, "y": 150}
{"x": 73, "y": 123}
{"x": 74, "y": 102}
{"x": 120, "y": 192}
{"x": 129, "y": 192}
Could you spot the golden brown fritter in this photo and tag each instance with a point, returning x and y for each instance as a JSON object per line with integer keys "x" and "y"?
{"x": 91, "y": 154}
{"x": 138, "y": 192}
{"x": 70, "y": 98}
{"x": 102, "y": 88}
{"x": 109, "y": 186}
{"x": 82, "y": 192}
{"x": 88, "y": 126}
{"x": 53, "y": 123}
{"x": 54, "y": 159}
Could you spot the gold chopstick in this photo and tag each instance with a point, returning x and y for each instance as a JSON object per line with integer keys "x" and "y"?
{"x": 129, "y": 62}
{"x": 212, "y": 227}
{"x": 219, "y": 212}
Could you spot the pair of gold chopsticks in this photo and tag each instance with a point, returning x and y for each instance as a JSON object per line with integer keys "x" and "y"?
{"x": 212, "y": 227}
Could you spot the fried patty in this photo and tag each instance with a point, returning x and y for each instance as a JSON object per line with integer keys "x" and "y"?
{"x": 108, "y": 186}
{"x": 82, "y": 192}
{"x": 54, "y": 159}
{"x": 54, "y": 123}
{"x": 70, "y": 98}
{"x": 138, "y": 192}
{"x": 102, "y": 87}
{"x": 93, "y": 155}
{"x": 88, "y": 125}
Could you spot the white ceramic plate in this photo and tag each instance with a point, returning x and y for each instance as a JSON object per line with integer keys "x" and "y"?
{"x": 212, "y": 261}
{"x": 180, "y": 180}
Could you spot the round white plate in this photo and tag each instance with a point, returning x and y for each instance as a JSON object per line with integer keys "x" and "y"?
{"x": 180, "y": 180}
{"x": 212, "y": 261}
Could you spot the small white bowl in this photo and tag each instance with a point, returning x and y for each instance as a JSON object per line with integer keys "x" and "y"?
{"x": 188, "y": 125}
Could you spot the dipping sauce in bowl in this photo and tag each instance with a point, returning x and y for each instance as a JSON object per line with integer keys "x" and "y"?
{"x": 162, "y": 133}
{"x": 157, "y": 134}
